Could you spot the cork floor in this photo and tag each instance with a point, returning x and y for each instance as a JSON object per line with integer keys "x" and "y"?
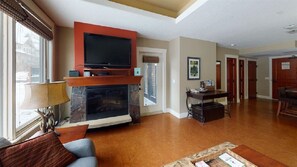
{"x": 161, "y": 139}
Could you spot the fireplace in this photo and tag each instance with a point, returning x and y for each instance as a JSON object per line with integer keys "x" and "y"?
{"x": 105, "y": 105}
{"x": 106, "y": 101}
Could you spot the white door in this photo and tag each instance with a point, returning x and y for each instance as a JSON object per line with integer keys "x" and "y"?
{"x": 153, "y": 82}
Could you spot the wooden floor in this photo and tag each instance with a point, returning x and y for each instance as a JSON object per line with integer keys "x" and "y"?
{"x": 163, "y": 138}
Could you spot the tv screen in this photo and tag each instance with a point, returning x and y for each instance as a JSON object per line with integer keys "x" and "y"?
{"x": 103, "y": 51}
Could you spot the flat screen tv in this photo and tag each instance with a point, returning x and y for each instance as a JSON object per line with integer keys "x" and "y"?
{"x": 101, "y": 51}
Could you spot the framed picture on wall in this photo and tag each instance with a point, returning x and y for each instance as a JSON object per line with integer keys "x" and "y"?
{"x": 193, "y": 68}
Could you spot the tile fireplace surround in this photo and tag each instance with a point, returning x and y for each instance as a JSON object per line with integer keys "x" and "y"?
{"x": 78, "y": 99}
{"x": 78, "y": 105}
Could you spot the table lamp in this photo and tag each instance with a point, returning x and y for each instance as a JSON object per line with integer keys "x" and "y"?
{"x": 42, "y": 97}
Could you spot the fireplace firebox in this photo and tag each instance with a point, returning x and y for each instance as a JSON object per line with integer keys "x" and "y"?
{"x": 106, "y": 101}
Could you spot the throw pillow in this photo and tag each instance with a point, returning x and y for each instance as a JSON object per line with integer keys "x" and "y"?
{"x": 45, "y": 150}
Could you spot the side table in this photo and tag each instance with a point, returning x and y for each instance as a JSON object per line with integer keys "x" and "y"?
{"x": 68, "y": 134}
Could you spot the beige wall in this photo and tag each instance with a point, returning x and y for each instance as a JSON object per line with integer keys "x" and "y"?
{"x": 206, "y": 51}
{"x": 262, "y": 73}
{"x": 221, "y": 52}
{"x": 65, "y": 59}
{"x": 173, "y": 75}
{"x": 65, "y": 51}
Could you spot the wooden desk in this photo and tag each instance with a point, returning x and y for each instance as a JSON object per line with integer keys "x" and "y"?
{"x": 205, "y": 112}
{"x": 207, "y": 95}
{"x": 256, "y": 157}
{"x": 68, "y": 134}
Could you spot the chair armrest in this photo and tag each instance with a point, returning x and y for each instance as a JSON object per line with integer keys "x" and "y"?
{"x": 81, "y": 148}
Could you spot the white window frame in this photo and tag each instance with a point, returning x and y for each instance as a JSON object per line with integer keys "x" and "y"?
{"x": 9, "y": 81}
{"x": 8, "y": 126}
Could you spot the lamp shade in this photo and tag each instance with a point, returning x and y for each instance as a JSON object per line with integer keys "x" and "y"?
{"x": 41, "y": 95}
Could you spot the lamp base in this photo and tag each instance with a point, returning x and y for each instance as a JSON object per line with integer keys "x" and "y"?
{"x": 48, "y": 121}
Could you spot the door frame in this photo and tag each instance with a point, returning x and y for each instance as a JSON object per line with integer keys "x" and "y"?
{"x": 270, "y": 72}
{"x": 237, "y": 74}
{"x": 245, "y": 74}
{"x": 255, "y": 60}
{"x": 245, "y": 60}
{"x": 163, "y": 53}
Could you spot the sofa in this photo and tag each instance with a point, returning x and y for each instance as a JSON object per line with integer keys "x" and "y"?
{"x": 47, "y": 150}
{"x": 85, "y": 151}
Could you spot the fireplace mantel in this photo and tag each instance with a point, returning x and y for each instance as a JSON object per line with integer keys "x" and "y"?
{"x": 79, "y": 98}
{"x": 102, "y": 80}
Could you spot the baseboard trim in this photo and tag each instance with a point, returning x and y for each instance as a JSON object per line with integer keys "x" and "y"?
{"x": 184, "y": 115}
{"x": 150, "y": 113}
{"x": 176, "y": 114}
{"x": 264, "y": 97}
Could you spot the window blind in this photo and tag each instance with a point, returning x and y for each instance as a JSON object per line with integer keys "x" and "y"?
{"x": 24, "y": 15}
{"x": 150, "y": 59}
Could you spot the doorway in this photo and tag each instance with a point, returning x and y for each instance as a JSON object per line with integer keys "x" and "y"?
{"x": 218, "y": 74}
{"x": 284, "y": 74}
{"x": 153, "y": 90}
{"x": 232, "y": 79}
{"x": 151, "y": 84}
{"x": 241, "y": 79}
{"x": 252, "y": 79}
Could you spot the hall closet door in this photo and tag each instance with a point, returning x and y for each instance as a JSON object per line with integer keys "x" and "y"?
{"x": 231, "y": 79}
{"x": 218, "y": 75}
{"x": 252, "y": 79}
{"x": 241, "y": 79}
{"x": 284, "y": 74}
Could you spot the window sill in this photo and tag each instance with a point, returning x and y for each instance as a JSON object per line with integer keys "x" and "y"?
{"x": 26, "y": 135}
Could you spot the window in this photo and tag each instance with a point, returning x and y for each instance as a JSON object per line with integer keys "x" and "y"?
{"x": 28, "y": 69}
{"x": 150, "y": 83}
{"x": 23, "y": 61}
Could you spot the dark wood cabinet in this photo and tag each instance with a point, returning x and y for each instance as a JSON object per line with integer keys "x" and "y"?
{"x": 208, "y": 111}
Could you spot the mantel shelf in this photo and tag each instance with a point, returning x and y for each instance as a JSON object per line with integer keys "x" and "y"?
{"x": 102, "y": 80}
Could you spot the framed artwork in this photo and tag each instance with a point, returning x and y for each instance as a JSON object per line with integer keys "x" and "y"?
{"x": 193, "y": 68}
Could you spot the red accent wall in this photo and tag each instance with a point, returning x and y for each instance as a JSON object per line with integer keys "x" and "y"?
{"x": 81, "y": 28}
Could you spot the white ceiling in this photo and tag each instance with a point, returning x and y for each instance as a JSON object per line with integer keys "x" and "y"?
{"x": 246, "y": 23}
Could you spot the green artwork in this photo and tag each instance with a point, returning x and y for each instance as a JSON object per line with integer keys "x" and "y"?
{"x": 193, "y": 68}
